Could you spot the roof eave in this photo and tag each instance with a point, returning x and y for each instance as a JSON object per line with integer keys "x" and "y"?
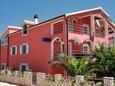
{"x": 78, "y": 12}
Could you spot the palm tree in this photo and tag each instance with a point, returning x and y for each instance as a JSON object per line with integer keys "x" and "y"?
{"x": 75, "y": 66}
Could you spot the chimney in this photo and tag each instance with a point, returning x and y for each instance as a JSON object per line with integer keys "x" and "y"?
{"x": 36, "y": 19}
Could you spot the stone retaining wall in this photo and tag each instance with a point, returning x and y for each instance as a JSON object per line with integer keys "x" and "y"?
{"x": 43, "y": 79}
{"x": 16, "y": 77}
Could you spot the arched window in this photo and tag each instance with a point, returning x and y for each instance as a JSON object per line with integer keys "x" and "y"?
{"x": 23, "y": 67}
{"x": 13, "y": 50}
{"x": 24, "y": 48}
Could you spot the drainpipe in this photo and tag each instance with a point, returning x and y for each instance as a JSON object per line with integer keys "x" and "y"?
{"x": 67, "y": 33}
{"x": 65, "y": 72}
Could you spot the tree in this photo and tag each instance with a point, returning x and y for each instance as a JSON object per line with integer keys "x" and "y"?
{"x": 105, "y": 61}
{"x": 75, "y": 66}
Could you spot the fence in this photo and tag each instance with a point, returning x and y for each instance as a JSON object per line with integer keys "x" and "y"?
{"x": 42, "y": 79}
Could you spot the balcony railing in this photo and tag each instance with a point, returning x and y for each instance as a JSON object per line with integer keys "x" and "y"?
{"x": 75, "y": 53}
{"x": 111, "y": 35}
{"x": 78, "y": 29}
{"x": 78, "y": 53}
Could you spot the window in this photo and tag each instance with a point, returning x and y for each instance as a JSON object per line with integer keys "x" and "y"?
{"x": 97, "y": 31}
{"x": 14, "y": 50}
{"x": 85, "y": 48}
{"x": 85, "y": 29}
{"x": 23, "y": 67}
{"x": 70, "y": 25}
{"x": 4, "y": 40}
{"x": 24, "y": 30}
{"x": 24, "y": 49}
{"x": 57, "y": 27}
{"x": 3, "y": 66}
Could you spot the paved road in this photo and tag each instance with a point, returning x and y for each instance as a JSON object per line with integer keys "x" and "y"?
{"x": 6, "y": 84}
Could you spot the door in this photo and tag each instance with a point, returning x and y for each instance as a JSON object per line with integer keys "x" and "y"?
{"x": 57, "y": 49}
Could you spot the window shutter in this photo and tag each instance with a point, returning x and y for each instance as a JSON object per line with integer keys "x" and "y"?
{"x": 11, "y": 51}
{"x": 27, "y": 49}
{"x": 16, "y": 50}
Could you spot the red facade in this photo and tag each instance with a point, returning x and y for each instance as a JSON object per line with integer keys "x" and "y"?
{"x": 36, "y": 45}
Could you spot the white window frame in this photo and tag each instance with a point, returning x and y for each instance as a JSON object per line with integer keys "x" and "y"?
{"x": 62, "y": 51}
{"x": 70, "y": 29}
{"x": 27, "y": 50}
{"x": 85, "y": 25}
{"x": 52, "y": 46}
{"x": 86, "y": 45}
{"x": 16, "y": 50}
{"x": 20, "y": 67}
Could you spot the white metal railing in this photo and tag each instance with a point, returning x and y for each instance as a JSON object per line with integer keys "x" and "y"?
{"x": 77, "y": 53}
{"x": 111, "y": 35}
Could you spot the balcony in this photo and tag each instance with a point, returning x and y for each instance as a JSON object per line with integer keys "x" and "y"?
{"x": 77, "y": 53}
{"x": 78, "y": 29}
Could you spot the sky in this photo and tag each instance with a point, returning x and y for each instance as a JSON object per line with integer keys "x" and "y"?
{"x": 13, "y": 12}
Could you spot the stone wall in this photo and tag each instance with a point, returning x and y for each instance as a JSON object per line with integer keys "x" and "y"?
{"x": 43, "y": 79}
{"x": 16, "y": 77}
{"x": 58, "y": 80}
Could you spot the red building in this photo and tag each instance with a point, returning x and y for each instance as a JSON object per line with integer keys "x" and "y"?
{"x": 36, "y": 44}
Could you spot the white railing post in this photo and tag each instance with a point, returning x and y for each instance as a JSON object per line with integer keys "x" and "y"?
{"x": 108, "y": 81}
{"x": 78, "y": 80}
{"x": 40, "y": 77}
{"x": 58, "y": 77}
{"x": 28, "y": 76}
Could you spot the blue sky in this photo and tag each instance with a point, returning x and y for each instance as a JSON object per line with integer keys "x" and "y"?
{"x": 13, "y": 12}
